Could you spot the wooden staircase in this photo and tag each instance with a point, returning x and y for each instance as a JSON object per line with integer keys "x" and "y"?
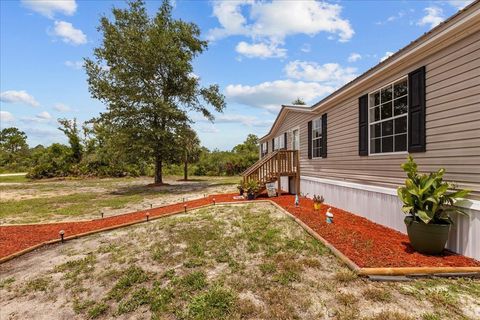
{"x": 273, "y": 166}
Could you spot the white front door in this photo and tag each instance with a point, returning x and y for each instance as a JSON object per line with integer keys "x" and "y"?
{"x": 295, "y": 139}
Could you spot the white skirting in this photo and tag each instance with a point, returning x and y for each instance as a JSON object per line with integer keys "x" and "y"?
{"x": 382, "y": 206}
{"x": 284, "y": 183}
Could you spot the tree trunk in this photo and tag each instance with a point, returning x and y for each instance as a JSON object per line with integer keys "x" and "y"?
{"x": 158, "y": 170}
{"x": 185, "y": 169}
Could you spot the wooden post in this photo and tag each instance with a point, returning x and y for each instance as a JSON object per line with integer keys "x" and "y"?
{"x": 297, "y": 173}
{"x": 277, "y": 171}
{"x": 279, "y": 184}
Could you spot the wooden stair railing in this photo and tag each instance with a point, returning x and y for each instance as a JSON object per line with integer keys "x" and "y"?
{"x": 272, "y": 167}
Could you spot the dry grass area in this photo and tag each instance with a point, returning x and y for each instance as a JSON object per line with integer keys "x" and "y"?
{"x": 50, "y": 200}
{"x": 224, "y": 262}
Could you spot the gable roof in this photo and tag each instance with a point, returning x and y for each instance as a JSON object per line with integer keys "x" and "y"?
{"x": 468, "y": 15}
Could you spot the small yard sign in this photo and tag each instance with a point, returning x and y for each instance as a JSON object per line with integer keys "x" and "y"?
{"x": 271, "y": 189}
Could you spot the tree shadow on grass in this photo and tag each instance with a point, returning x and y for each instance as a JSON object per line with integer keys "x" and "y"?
{"x": 199, "y": 186}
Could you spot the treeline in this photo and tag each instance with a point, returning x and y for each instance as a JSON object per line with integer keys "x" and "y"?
{"x": 94, "y": 150}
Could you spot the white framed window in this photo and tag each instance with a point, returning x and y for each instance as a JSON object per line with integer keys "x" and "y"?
{"x": 388, "y": 118}
{"x": 264, "y": 149}
{"x": 317, "y": 138}
{"x": 279, "y": 142}
{"x": 295, "y": 138}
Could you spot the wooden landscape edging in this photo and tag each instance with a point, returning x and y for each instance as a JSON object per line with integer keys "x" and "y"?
{"x": 387, "y": 271}
{"x": 105, "y": 217}
{"x": 75, "y": 236}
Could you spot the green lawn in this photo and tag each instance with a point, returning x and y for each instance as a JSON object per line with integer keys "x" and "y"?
{"x": 75, "y": 198}
{"x": 13, "y": 179}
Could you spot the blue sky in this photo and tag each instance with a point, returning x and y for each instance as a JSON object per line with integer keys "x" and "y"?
{"x": 262, "y": 54}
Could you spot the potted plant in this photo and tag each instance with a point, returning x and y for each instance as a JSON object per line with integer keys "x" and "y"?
{"x": 428, "y": 203}
{"x": 252, "y": 188}
{"x": 317, "y": 202}
{"x": 241, "y": 187}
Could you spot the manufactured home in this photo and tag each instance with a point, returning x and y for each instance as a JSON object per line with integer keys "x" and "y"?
{"x": 424, "y": 100}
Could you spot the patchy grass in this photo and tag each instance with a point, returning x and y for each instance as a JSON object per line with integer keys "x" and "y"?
{"x": 6, "y": 283}
{"x": 345, "y": 275}
{"x": 215, "y": 303}
{"x": 65, "y": 199}
{"x": 390, "y": 315}
{"x": 67, "y": 205}
{"x": 223, "y": 262}
{"x": 130, "y": 277}
{"x": 38, "y": 284}
{"x": 14, "y": 179}
{"x": 97, "y": 310}
{"x": 377, "y": 295}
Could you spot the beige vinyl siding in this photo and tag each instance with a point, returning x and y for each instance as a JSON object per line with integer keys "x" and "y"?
{"x": 452, "y": 126}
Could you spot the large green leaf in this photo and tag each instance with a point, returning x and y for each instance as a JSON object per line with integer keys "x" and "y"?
{"x": 459, "y": 194}
{"x": 424, "y": 216}
{"x": 427, "y": 185}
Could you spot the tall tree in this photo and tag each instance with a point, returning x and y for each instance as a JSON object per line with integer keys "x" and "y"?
{"x": 13, "y": 140}
{"x": 70, "y": 129}
{"x": 298, "y": 101}
{"x": 14, "y": 152}
{"x": 189, "y": 147}
{"x": 143, "y": 72}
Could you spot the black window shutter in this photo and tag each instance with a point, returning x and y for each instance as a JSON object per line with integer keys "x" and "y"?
{"x": 363, "y": 125}
{"x": 273, "y": 144}
{"x": 285, "y": 139}
{"x": 324, "y": 135}
{"x": 416, "y": 111}
{"x": 266, "y": 144}
{"x": 309, "y": 139}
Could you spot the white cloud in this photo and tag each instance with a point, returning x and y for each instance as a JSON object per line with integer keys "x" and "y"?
{"x": 207, "y": 128}
{"x": 68, "y": 33}
{"x": 230, "y": 17}
{"x": 48, "y": 8}
{"x": 277, "y": 19}
{"x": 331, "y": 74}
{"x": 306, "y": 48}
{"x": 386, "y": 56}
{"x": 397, "y": 16}
{"x": 249, "y": 121}
{"x": 246, "y": 120}
{"x": 21, "y": 96}
{"x": 433, "y": 17}
{"x": 460, "y": 4}
{"x": 61, "y": 107}
{"x": 44, "y": 115}
{"x": 260, "y": 50}
{"x": 353, "y": 57}
{"x": 6, "y": 116}
{"x": 271, "y": 95}
{"x": 77, "y": 65}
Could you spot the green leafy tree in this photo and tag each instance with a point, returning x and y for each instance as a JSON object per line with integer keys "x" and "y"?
{"x": 298, "y": 101}
{"x": 247, "y": 152}
{"x": 14, "y": 151}
{"x": 70, "y": 129}
{"x": 189, "y": 147}
{"x": 53, "y": 161}
{"x": 13, "y": 140}
{"x": 107, "y": 153}
{"x": 143, "y": 72}
{"x": 233, "y": 162}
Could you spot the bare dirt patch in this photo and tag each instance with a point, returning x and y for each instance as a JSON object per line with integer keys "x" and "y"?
{"x": 224, "y": 262}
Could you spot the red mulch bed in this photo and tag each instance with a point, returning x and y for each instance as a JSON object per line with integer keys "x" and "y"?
{"x": 366, "y": 243}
